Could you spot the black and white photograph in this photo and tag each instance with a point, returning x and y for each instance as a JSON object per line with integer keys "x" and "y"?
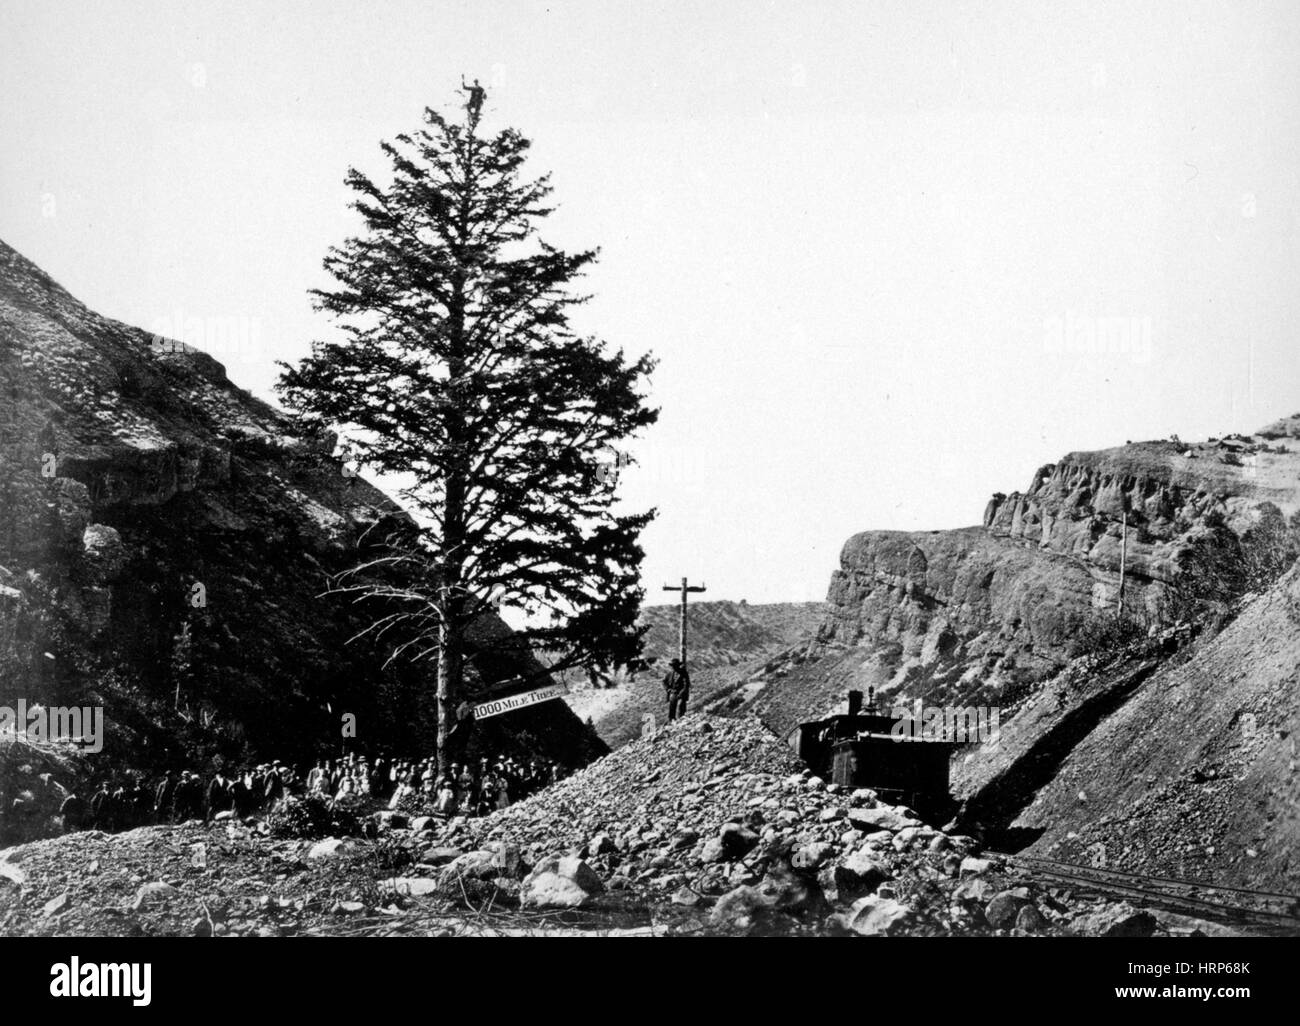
{"x": 662, "y": 470}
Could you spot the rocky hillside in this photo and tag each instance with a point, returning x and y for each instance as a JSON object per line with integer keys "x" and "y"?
{"x": 1185, "y": 768}
{"x": 728, "y": 641}
{"x": 166, "y": 549}
{"x": 728, "y": 633}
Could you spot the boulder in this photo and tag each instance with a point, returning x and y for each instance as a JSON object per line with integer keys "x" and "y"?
{"x": 913, "y": 837}
{"x": 974, "y": 890}
{"x": 737, "y": 840}
{"x": 508, "y": 861}
{"x": 734, "y": 841}
{"x": 789, "y": 891}
{"x": 874, "y": 916}
{"x": 331, "y": 847}
{"x": 152, "y": 894}
{"x": 737, "y": 908}
{"x": 440, "y": 856}
{"x": 780, "y": 890}
{"x": 601, "y": 844}
{"x": 811, "y": 856}
{"x": 11, "y": 873}
{"x": 971, "y": 866}
{"x": 686, "y": 897}
{"x": 882, "y": 817}
{"x": 1030, "y": 920}
{"x": 863, "y": 873}
{"x": 1001, "y": 912}
{"x": 413, "y": 886}
{"x": 1118, "y": 920}
{"x": 851, "y": 879}
{"x": 473, "y": 865}
{"x": 560, "y": 883}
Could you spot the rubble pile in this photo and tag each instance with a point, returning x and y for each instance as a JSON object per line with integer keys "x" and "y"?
{"x": 716, "y": 818}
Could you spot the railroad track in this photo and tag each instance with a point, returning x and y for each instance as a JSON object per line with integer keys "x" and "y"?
{"x": 1238, "y": 905}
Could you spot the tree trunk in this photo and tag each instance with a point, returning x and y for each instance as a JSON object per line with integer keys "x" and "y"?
{"x": 451, "y": 630}
{"x": 450, "y": 651}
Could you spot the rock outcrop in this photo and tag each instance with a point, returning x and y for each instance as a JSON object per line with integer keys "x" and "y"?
{"x": 1003, "y": 603}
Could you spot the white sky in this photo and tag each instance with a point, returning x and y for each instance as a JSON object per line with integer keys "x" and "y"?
{"x": 841, "y": 227}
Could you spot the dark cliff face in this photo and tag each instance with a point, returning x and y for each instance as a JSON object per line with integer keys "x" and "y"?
{"x": 166, "y": 549}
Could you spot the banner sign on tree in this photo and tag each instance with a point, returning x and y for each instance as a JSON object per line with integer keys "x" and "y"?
{"x": 504, "y": 705}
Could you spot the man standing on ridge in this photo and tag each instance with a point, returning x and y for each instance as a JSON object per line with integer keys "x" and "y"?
{"x": 677, "y": 688}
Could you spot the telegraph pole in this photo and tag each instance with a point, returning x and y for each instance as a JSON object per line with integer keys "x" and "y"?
{"x": 685, "y": 589}
{"x": 1123, "y": 560}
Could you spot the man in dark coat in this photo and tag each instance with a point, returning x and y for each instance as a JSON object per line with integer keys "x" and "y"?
{"x": 217, "y": 797}
{"x": 141, "y": 802}
{"x": 73, "y": 811}
{"x": 120, "y": 807}
{"x": 677, "y": 688}
{"x": 274, "y": 787}
{"x": 189, "y": 797}
{"x": 241, "y": 798}
{"x": 101, "y": 807}
{"x": 163, "y": 795}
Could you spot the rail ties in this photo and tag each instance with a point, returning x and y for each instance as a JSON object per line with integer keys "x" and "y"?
{"x": 1239, "y": 904}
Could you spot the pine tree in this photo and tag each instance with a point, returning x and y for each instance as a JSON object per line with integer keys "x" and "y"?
{"x": 455, "y": 367}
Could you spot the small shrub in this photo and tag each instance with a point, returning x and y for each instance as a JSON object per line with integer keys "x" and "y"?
{"x": 1105, "y": 634}
{"x": 416, "y": 804}
{"x": 311, "y": 817}
{"x": 392, "y": 855}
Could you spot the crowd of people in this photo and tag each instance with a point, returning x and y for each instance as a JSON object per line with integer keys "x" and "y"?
{"x": 471, "y": 789}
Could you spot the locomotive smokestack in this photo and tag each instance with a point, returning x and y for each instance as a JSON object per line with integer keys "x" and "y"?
{"x": 855, "y": 702}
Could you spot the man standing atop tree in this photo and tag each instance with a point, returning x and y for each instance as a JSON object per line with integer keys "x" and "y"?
{"x": 454, "y": 364}
{"x": 677, "y": 688}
